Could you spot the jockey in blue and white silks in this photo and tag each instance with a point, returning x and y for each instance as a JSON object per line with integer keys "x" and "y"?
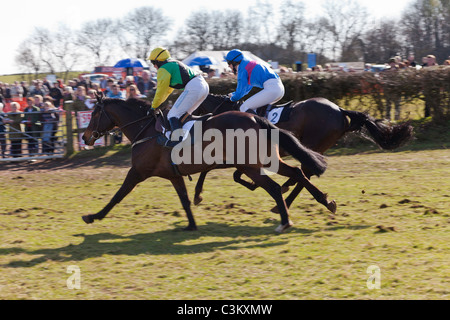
{"x": 253, "y": 74}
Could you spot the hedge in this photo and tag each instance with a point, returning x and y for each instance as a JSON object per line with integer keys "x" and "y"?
{"x": 432, "y": 85}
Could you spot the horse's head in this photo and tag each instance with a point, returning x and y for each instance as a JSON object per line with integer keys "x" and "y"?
{"x": 100, "y": 124}
{"x": 125, "y": 114}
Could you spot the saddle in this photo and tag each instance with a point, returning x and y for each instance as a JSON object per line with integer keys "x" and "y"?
{"x": 282, "y": 112}
{"x": 283, "y": 105}
{"x": 162, "y": 124}
{"x": 189, "y": 117}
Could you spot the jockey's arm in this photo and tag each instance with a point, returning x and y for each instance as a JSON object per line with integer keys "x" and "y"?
{"x": 243, "y": 88}
{"x": 163, "y": 89}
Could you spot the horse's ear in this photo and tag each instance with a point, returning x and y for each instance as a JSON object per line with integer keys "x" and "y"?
{"x": 100, "y": 96}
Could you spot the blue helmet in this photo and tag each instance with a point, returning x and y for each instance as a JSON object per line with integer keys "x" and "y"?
{"x": 234, "y": 55}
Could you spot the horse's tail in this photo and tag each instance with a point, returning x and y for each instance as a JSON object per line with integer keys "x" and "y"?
{"x": 386, "y": 136}
{"x": 313, "y": 161}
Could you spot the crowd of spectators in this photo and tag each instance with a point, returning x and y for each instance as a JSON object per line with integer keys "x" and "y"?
{"x": 394, "y": 64}
{"x": 32, "y": 111}
{"x": 29, "y": 113}
{"x": 36, "y": 124}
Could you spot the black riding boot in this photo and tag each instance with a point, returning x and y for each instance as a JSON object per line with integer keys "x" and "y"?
{"x": 175, "y": 124}
{"x": 251, "y": 111}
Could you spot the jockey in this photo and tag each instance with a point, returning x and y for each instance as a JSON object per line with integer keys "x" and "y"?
{"x": 253, "y": 74}
{"x": 173, "y": 74}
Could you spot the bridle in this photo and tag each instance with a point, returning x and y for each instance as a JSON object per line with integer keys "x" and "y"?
{"x": 96, "y": 134}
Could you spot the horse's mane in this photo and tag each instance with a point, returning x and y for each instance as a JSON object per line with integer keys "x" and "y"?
{"x": 216, "y": 103}
{"x": 218, "y": 95}
{"x": 138, "y": 106}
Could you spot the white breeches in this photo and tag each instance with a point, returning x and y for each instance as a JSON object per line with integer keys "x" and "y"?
{"x": 273, "y": 91}
{"x": 193, "y": 95}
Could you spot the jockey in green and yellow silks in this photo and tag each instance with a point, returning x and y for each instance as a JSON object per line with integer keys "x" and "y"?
{"x": 173, "y": 74}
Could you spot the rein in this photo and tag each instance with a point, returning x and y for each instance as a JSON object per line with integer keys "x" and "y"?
{"x": 224, "y": 99}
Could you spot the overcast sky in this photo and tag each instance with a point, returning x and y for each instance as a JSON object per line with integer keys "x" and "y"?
{"x": 19, "y": 18}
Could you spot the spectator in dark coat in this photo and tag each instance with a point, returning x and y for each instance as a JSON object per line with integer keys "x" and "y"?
{"x": 145, "y": 84}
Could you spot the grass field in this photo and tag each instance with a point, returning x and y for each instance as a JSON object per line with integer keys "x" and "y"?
{"x": 393, "y": 213}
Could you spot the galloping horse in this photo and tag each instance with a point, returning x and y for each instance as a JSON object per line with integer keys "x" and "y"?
{"x": 136, "y": 120}
{"x": 318, "y": 123}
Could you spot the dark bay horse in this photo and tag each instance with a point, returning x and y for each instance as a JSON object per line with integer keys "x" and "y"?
{"x": 318, "y": 123}
{"x": 136, "y": 120}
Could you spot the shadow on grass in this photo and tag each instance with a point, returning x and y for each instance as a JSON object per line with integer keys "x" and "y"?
{"x": 120, "y": 156}
{"x": 172, "y": 242}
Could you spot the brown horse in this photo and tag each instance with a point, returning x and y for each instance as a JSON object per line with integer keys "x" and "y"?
{"x": 318, "y": 123}
{"x": 137, "y": 121}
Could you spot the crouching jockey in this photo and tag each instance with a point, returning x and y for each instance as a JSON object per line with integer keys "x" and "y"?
{"x": 253, "y": 74}
{"x": 173, "y": 74}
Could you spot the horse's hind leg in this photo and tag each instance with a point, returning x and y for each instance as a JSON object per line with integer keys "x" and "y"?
{"x": 199, "y": 188}
{"x": 132, "y": 179}
{"x": 320, "y": 197}
{"x": 287, "y": 184}
{"x": 180, "y": 187}
{"x": 294, "y": 193}
{"x": 291, "y": 197}
{"x": 237, "y": 178}
{"x": 274, "y": 190}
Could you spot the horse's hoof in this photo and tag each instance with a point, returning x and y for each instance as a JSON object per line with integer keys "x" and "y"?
{"x": 88, "y": 219}
{"x": 332, "y": 206}
{"x": 198, "y": 200}
{"x": 284, "y": 189}
{"x": 190, "y": 228}
{"x": 275, "y": 210}
{"x": 281, "y": 228}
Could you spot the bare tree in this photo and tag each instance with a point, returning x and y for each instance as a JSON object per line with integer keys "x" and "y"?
{"x": 260, "y": 23}
{"x": 98, "y": 38}
{"x": 227, "y": 28}
{"x": 345, "y": 22}
{"x": 426, "y": 25}
{"x": 42, "y": 40}
{"x": 26, "y": 59}
{"x": 214, "y": 30}
{"x": 316, "y": 39}
{"x": 141, "y": 29}
{"x": 200, "y": 30}
{"x": 290, "y": 28}
{"x": 382, "y": 42}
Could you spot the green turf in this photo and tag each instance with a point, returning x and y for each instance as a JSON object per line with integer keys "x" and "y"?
{"x": 393, "y": 212}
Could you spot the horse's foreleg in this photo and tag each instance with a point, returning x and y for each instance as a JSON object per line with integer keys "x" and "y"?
{"x": 132, "y": 179}
{"x": 180, "y": 187}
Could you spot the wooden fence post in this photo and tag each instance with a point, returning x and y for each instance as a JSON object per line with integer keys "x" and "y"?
{"x": 69, "y": 128}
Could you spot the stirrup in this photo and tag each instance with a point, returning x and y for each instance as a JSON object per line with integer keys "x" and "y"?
{"x": 162, "y": 140}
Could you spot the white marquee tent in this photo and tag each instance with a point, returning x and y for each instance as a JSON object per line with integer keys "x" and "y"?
{"x": 218, "y": 58}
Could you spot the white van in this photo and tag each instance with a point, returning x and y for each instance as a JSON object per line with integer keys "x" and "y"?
{"x": 95, "y": 77}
